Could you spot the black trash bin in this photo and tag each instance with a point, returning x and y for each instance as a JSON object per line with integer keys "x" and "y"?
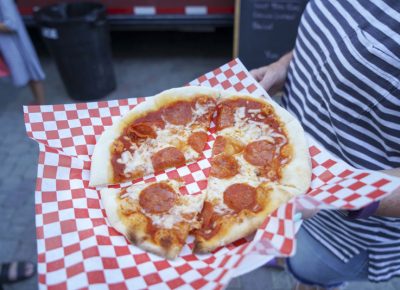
{"x": 77, "y": 36}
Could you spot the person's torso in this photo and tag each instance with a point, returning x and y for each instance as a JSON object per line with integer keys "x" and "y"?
{"x": 343, "y": 85}
{"x": 344, "y": 81}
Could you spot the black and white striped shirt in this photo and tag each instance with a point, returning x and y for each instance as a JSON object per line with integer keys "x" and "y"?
{"x": 344, "y": 86}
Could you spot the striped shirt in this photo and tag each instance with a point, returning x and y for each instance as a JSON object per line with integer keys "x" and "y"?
{"x": 343, "y": 85}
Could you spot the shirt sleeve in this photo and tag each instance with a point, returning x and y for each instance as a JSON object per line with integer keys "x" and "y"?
{"x": 9, "y": 14}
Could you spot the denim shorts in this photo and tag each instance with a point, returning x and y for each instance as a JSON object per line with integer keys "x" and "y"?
{"x": 315, "y": 265}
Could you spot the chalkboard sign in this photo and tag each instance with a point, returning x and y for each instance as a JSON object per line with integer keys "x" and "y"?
{"x": 265, "y": 29}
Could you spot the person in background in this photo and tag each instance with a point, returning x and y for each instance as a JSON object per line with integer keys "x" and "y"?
{"x": 18, "y": 52}
{"x": 342, "y": 81}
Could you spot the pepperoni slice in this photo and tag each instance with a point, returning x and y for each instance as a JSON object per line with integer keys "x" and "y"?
{"x": 207, "y": 214}
{"x": 157, "y": 198}
{"x": 271, "y": 170}
{"x": 209, "y": 228}
{"x": 251, "y": 104}
{"x": 224, "y": 166}
{"x": 227, "y": 145}
{"x": 120, "y": 145}
{"x": 219, "y": 145}
{"x": 141, "y": 130}
{"x": 179, "y": 113}
{"x": 153, "y": 118}
{"x": 198, "y": 140}
{"x": 208, "y": 105}
{"x": 259, "y": 153}
{"x": 167, "y": 157}
{"x": 240, "y": 196}
{"x": 118, "y": 169}
{"x": 225, "y": 117}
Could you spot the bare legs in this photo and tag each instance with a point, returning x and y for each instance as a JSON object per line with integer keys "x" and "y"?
{"x": 37, "y": 91}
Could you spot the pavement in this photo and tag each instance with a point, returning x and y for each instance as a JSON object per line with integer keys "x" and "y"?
{"x": 145, "y": 63}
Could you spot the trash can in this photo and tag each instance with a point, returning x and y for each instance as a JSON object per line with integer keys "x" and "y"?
{"x": 78, "y": 38}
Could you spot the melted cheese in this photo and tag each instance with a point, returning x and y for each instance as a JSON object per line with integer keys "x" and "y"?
{"x": 190, "y": 205}
{"x": 216, "y": 186}
{"x": 201, "y": 109}
{"x": 171, "y": 135}
{"x": 186, "y": 204}
{"x": 133, "y": 191}
{"x": 245, "y": 131}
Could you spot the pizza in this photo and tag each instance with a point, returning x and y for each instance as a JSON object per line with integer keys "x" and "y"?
{"x": 168, "y": 130}
{"x": 259, "y": 161}
{"x": 155, "y": 216}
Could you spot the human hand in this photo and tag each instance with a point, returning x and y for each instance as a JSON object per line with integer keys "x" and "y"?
{"x": 303, "y": 213}
{"x": 5, "y": 29}
{"x": 272, "y": 77}
{"x": 390, "y": 205}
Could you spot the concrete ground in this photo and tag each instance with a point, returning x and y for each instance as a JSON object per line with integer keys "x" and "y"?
{"x": 145, "y": 63}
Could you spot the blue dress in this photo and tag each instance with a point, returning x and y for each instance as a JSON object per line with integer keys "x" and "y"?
{"x": 16, "y": 47}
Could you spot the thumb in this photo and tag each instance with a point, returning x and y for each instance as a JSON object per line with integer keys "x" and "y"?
{"x": 257, "y": 74}
{"x": 268, "y": 81}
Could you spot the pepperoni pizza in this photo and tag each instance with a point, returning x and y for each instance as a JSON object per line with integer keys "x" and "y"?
{"x": 259, "y": 161}
{"x": 156, "y": 216}
{"x": 168, "y": 130}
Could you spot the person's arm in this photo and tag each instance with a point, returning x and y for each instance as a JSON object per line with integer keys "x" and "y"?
{"x": 387, "y": 207}
{"x": 9, "y": 14}
{"x": 4, "y": 28}
{"x": 272, "y": 77}
{"x": 390, "y": 205}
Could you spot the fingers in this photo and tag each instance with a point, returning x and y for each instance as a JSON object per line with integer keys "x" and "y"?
{"x": 308, "y": 213}
{"x": 265, "y": 75}
{"x": 257, "y": 74}
{"x": 268, "y": 80}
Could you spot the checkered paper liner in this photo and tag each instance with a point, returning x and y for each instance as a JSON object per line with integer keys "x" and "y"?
{"x": 78, "y": 249}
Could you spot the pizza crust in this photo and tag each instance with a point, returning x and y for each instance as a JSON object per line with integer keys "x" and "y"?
{"x": 295, "y": 180}
{"x": 109, "y": 197}
{"x": 169, "y": 96}
{"x": 225, "y": 94}
{"x": 297, "y": 173}
{"x": 109, "y": 200}
{"x": 231, "y": 231}
{"x": 101, "y": 169}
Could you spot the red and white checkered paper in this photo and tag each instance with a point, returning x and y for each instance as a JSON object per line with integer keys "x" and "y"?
{"x": 78, "y": 249}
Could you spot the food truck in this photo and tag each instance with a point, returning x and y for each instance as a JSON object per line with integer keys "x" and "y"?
{"x": 152, "y": 13}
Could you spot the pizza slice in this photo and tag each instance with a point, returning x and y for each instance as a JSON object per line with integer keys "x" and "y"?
{"x": 155, "y": 217}
{"x": 260, "y": 160}
{"x": 168, "y": 130}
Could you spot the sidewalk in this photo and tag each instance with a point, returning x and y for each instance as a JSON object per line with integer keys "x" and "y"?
{"x": 143, "y": 67}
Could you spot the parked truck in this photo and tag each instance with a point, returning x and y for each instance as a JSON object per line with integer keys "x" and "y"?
{"x": 158, "y": 14}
